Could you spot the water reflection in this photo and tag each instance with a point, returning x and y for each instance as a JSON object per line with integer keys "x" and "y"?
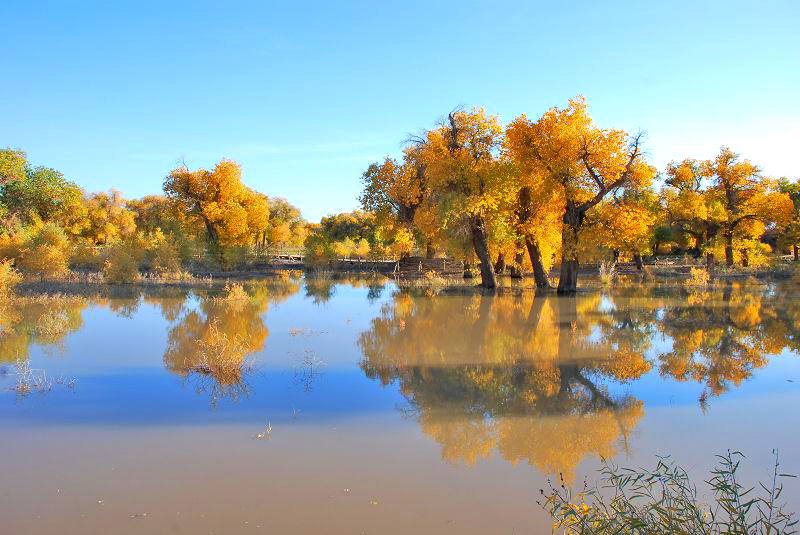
{"x": 521, "y": 375}
{"x": 210, "y": 345}
{"x": 42, "y": 321}
{"x": 209, "y": 340}
{"x": 720, "y": 336}
{"x": 530, "y": 376}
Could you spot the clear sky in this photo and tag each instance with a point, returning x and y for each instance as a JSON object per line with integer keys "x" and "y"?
{"x": 304, "y": 95}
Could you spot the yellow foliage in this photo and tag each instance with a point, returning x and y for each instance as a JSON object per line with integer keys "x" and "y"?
{"x": 9, "y": 278}
{"x": 108, "y": 219}
{"x": 163, "y": 253}
{"x": 87, "y": 256}
{"x": 11, "y": 245}
{"x": 232, "y": 213}
{"x": 697, "y": 277}
{"x": 121, "y": 264}
{"x": 46, "y": 253}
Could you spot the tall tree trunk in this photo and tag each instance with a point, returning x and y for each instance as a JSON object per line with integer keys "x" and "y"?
{"x": 745, "y": 258}
{"x": 500, "y": 265}
{"x": 519, "y": 260}
{"x": 539, "y": 273}
{"x": 637, "y": 259}
{"x": 430, "y": 250}
{"x": 796, "y": 251}
{"x": 729, "y": 249}
{"x": 615, "y": 252}
{"x": 523, "y": 214}
{"x": 568, "y": 275}
{"x": 481, "y": 244}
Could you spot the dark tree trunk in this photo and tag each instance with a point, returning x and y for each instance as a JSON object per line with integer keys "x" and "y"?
{"x": 523, "y": 214}
{"x": 796, "y": 251}
{"x": 519, "y": 260}
{"x": 745, "y": 258}
{"x": 728, "y": 249}
{"x": 615, "y": 252}
{"x": 539, "y": 273}
{"x": 481, "y": 244}
{"x": 500, "y": 265}
{"x": 568, "y": 275}
{"x": 710, "y": 262}
{"x": 430, "y": 251}
{"x": 637, "y": 259}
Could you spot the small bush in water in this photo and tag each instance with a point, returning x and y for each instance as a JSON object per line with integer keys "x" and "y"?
{"x": 697, "y": 277}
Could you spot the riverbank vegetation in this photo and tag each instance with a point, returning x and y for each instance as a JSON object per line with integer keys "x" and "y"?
{"x": 557, "y": 190}
{"x": 664, "y": 499}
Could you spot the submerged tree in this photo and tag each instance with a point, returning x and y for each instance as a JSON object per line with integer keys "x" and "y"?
{"x": 565, "y": 152}
{"x": 468, "y": 178}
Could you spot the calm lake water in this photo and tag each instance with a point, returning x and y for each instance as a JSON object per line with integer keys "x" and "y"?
{"x": 320, "y": 406}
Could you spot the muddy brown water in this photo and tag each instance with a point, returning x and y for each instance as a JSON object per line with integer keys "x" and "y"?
{"x": 352, "y": 406}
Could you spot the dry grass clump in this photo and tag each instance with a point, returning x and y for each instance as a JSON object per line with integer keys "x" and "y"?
{"x": 9, "y": 278}
{"x": 220, "y": 356}
{"x": 172, "y": 276}
{"x": 432, "y": 278}
{"x": 607, "y": 272}
{"x": 235, "y": 293}
{"x": 697, "y": 277}
{"x": 30, "y": 380}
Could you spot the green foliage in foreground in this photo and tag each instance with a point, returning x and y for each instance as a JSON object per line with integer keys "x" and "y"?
{"x": 664, "y": 500}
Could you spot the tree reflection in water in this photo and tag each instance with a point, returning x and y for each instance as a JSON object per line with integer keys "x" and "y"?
{"x": 528, "y": 375}
{"x": 42, "y": 320}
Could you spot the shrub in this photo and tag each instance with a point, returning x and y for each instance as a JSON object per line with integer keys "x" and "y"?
{"x": 87, "y": 256}
{"x": 121, "y": 265}
{"x": 163, "y": 255}
{"x": 11, "y": 246}
{"x": 46, "y": 253}
{"x": 665, "y": 500}
{"x": 235, "y": 293}
{"x": 697, "y": 277}
{"x": 232, "y": 256}
{"x": 9, "y": 277}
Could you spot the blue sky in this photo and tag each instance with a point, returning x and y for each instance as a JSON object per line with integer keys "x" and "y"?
{"x": 304, "y": 95}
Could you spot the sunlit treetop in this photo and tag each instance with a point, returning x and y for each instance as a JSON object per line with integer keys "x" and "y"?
{"x": 232, "y": 213}
{"x": 565, "y": 150}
